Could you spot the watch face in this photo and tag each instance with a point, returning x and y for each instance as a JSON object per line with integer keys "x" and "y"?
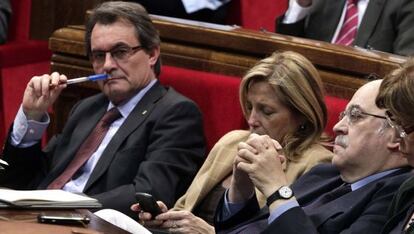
{"x": 285, "y": 192}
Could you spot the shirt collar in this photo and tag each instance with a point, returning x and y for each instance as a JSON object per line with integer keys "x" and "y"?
{"x": 362, "y": 182}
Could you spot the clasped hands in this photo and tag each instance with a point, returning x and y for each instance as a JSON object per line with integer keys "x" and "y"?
{"x": 259, "y": 163}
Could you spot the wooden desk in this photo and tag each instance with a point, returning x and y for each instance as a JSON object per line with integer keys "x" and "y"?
{"x": 26, "y": 222}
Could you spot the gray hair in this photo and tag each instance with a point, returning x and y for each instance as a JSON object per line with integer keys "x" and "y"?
{"x": 111, "y": 12}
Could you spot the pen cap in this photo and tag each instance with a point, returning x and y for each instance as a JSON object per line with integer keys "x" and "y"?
{"x": 98, "y": 77}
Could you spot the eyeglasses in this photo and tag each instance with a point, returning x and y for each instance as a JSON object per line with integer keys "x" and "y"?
{"x": 119, "y": 54}
{"x": 401, "y": 131}
{"x": 354, "y": 114}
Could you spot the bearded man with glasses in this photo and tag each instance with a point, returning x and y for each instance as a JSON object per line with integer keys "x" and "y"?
{"x": 397, "y": 96}
{"x": 153, "y": 142}
{"x": 350, "y": 195}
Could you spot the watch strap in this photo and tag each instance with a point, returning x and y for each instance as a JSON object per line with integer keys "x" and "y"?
{"x": 275, "y": 196}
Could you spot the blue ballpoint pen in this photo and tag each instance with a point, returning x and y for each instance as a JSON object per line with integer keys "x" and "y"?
{"x": 85, "y": 78}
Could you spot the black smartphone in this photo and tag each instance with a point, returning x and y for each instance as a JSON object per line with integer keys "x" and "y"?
{"x": 63, "y": 218}
{"x": 148, "y": 203}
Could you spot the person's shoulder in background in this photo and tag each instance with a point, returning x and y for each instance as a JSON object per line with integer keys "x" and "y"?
{"x": 5, "y": 15}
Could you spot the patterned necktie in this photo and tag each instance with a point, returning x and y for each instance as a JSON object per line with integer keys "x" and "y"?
{"x": 350, "y": 26}
{"x": 330, "y": 196}
{"x": 86, "y": 150}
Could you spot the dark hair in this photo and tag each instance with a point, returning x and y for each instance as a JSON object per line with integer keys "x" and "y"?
{"x": 397, "y": 93}
{"x": 111, "y": 12}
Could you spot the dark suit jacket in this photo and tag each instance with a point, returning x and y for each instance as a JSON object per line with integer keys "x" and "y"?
{"x": 360, "y": 211}
{"x": 386, "y": 26}
{"x": 5, "y": 15}
{"x": 401, "y": 203}
{"x": 158, "y": 150}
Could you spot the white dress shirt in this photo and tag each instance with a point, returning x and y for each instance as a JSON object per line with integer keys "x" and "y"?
{"x": 192, "y": 6}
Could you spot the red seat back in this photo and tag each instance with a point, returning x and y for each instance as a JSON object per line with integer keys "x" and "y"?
{"x": 216, "y": 95}
{"x": 218, "y": 98}
{"x": 335, "y": 107}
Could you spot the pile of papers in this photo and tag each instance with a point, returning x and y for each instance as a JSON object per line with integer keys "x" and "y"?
{"x": 45, "y": 199}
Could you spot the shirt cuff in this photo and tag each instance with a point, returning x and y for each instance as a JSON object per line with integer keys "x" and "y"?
{"x": 282, "y": 209}
{"x": 192, "y": 6}
{"x": 229, "y": 209}
{"x": 27, "y": 132}
{"x": 296, "y": 13}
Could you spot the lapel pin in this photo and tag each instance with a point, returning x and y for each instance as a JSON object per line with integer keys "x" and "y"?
{"x": 144, "y": 112}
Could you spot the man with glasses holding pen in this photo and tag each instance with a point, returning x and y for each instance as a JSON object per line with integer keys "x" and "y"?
{"x": 397, "y": 96}
{"x": 136, "y": 136}
{"x": 351, "y": 195}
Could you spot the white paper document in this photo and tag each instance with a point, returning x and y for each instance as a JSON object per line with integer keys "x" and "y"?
{"x": 45, "y": 199}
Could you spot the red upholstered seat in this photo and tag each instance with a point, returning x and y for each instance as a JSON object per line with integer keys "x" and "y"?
{"x": 20, "y": 59}
{"x": 20, "y": 49}
{"x": 216, "y": 95}
{"x": 218, "y": 98}
{"x": 335, "y": 107}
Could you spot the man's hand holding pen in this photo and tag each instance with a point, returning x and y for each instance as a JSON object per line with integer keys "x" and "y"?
{"x": 41, "y": 92}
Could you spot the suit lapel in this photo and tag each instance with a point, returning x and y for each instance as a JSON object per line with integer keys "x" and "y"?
{"x": 309, "y": 190}
{"x": 400, "y": 207}
{"x": 141, "y": 111}
{"x": 403, "y": 200}
{"x": 331, "y": 11}
{"x": 340, "y": 205}
{"x": 82, "y": 130}
{"x": 369, "y": 21}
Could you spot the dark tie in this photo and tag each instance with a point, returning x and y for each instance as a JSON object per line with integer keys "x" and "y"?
{"x": 86, "y": 150}
{"x": 349, "y": 28}
{"x": 330, "y": 196}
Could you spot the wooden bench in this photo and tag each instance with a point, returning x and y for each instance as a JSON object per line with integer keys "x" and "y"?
{"x": 20, "y": 58}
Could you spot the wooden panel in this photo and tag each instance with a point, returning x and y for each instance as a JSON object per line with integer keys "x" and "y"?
{"x": 49, "y": 15}
{"x": 228, "y": 50}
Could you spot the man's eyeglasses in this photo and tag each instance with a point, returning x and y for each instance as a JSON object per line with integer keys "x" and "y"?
{"x": 119, "y": 54}
{"x": 354, "y": 114}
{"x": 401, "y": 131}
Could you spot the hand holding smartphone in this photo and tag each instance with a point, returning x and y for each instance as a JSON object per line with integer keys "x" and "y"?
{"x": 148, "y": 204}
